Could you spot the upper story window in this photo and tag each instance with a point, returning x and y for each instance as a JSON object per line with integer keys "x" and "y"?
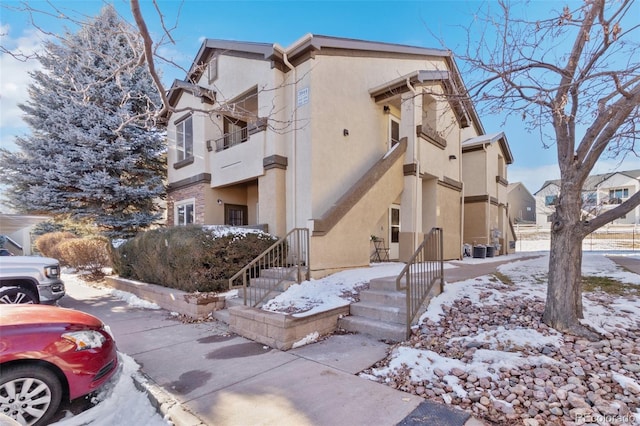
{"x": 184, "y": 138}
{"x": 617, "y": 195}
{"x": 550, "y": 200}
{"x": 502, "y": 170}
{"x": 429, "y": 112}
{"x": 212, "y": 69}
{"x": 590, "y": 198}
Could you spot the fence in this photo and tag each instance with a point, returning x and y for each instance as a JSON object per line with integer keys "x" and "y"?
{"x": 607, "y": 238}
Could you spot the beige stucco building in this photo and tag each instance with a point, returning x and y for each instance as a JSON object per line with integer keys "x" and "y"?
{"x": 348, "y": 138}
{"x": 486, "y": 211}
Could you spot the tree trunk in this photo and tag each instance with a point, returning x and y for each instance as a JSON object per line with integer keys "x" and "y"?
{"x": 563, "y": 308}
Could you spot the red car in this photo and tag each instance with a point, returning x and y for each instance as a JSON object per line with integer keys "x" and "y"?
{"x": 48, "y": 353}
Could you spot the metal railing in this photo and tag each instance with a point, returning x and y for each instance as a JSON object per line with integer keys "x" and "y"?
{"x": 232, "y": 139}
{"x": 286, "y": 260}
{"x": 423, "y": 270}
{"x": 618, "y": 237}
{"x": 239, "y": 136}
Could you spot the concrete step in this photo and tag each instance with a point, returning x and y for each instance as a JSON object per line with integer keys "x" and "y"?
{"x": 221, "y": 315}
{"x": 269, "y": 282}
{"x": 386, "y": 331}
{"x": 383, "y": 284}
{"x": 254, "y": 293}
{"x": 395, "y": 299}
{"x": 290, "y": 273}
{"x": 378, "y": 312}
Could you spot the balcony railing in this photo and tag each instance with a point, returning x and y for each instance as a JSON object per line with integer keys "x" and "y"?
{"x": 229, "y": 140}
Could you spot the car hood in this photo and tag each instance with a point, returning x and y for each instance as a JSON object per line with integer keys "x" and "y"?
{"x": 44, "y": 314}
{"x": 28, "y": 260}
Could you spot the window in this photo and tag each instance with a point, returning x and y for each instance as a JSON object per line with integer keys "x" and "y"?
{"x": 212, "y": 69}
{"x": 550, "y": 200}
{"x": 235, "y": 132}
{"x": 184, "y": 138}
{"x": 235, "y": 215}
{"x": 184, "y": 212}
{"x": 429, "y": 112}
{"x": 394, "y": 132}
{"x": 395, "y": 225}
{"x": 589, "y": 198}
{"x": 617, "y": 195}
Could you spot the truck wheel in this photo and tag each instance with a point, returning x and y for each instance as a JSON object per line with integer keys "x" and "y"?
{"x": 17, "y": 295}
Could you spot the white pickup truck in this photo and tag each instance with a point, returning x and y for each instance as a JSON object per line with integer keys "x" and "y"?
{"x": 30, "y": 279}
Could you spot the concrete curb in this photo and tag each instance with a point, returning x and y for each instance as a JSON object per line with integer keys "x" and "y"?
{"x": 164, "y": 403}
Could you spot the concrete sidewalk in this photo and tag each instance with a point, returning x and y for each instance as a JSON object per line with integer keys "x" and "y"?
{"x": 200, "y": 374}
{"x": 629, "y": 263}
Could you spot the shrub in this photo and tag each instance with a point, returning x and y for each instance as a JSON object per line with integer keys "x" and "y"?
{"x": 189, "y": 258}
{"x": 47, "y": 244}
{"x": 80, "y": 228}
{"x": 86, "y": 254}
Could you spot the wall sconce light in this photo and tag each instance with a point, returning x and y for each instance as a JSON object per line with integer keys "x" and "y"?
{"x": 386, "y": 109}
{"x": 219, "y": 202}
{"x": 452, "y": 157}
{"x": 345, "y": 132}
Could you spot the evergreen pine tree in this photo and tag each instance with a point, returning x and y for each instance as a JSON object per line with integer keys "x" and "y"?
{"x": 93, "y": 151}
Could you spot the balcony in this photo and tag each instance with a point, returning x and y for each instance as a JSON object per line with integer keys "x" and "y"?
{"x": 238, "y": 156}
{"x": 230, "y": 140}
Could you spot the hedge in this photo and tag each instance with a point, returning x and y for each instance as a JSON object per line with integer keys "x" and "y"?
{"x": 189, "y": 258}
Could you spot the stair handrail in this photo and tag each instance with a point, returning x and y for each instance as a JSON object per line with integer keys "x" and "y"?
{"x": 290, "y": 251}
{"x": 423, "y": 270}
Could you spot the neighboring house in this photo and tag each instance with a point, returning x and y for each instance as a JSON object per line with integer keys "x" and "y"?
{"x": 600, "y": 193}
{"x": 17, "y": 230}
{"x": 522, "y": 205}
{"x": 484, "y": 173}
{"x": 348, "y": 138}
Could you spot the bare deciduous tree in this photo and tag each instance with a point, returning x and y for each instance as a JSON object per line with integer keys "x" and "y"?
{"x": 574, "y": 77}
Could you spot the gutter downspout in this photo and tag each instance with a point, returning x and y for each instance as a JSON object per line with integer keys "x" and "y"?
{"x": 462, "y": 208}
{"x": 294, "y": 107}
{"x": 285, "y": 59}
{"x": 415, "y": 160}
{"x": 488, "y": 212}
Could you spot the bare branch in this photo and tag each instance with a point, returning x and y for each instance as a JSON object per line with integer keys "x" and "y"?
{"x": 148, "y": 53}
{"x": 608, "y": 216}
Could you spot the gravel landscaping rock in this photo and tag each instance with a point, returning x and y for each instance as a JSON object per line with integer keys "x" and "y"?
{"x": 580, "y": 384}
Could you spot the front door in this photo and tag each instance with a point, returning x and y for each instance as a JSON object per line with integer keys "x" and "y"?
{"x": 235, "y": 215}
{"x": 394, "y": 232}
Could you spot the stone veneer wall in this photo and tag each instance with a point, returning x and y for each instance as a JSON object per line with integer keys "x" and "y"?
{"x": 196, "y": 191}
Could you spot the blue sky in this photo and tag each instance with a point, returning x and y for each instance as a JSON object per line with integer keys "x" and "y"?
{"x": 420, "y": 23}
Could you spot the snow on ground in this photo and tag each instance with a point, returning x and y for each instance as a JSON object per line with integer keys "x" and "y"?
{"x": 333, "y": 291}
{"x": 501, "y": 344}
{"x": 119, "y": 402}
{"x": 530, "y": 278}
{"x": 336, "y": 290}
{"x": 504, "y": 346}
{"x": 129, "y": 298}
